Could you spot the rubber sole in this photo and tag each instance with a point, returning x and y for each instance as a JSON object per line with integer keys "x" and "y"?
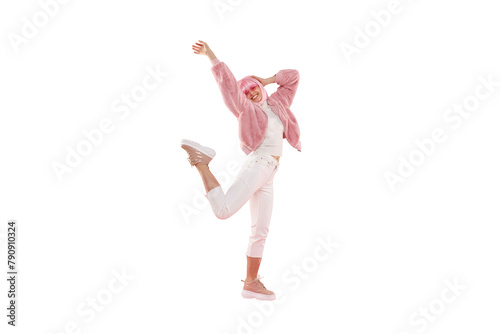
{"x": 250, "y": 294}
{"x": 203, "y": 149}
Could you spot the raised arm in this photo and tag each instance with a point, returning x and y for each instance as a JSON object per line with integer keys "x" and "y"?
{"x": 232, "y": 95}
{"x": 202, "y": 48}
{"x": 288, "y": 81}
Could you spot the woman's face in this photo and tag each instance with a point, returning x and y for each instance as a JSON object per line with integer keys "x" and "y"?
{"x": 253, "y": 93}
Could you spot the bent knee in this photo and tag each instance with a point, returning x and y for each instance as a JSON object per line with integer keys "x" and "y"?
{"x": 223, "y": 214}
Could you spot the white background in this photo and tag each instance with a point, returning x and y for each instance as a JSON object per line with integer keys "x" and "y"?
{"x": 120, "y": 209}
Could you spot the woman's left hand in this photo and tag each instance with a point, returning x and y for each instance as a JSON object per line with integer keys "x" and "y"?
{"x": 261, "y": 80}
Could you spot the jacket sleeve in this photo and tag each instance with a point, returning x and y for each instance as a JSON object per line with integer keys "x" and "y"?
{"x": 232, "y": 95}
{"x": 288, "y": 81}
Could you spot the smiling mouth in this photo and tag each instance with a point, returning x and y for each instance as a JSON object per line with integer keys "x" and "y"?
{"x": 253, "y": 98}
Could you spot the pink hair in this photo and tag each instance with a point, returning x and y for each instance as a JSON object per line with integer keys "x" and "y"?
{"x": 248, "y": 82}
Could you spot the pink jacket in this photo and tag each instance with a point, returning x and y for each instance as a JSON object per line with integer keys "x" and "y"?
{"x": 252, "y": 119}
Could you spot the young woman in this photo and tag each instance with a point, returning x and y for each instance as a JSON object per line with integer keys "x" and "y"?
{"x": 263, "y": 123}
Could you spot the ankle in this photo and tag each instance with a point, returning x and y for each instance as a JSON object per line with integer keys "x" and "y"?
{"x": 250, "y": 279}
{"x": 200, "y": 165}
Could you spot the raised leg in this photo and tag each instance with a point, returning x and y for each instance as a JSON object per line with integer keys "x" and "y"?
{"x": 209, "y": 180}
{"x": 250, "y": 178}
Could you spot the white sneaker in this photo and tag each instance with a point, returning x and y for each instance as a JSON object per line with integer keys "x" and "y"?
{"x": 197, "y": 152}
{"x": 255, "y": 289}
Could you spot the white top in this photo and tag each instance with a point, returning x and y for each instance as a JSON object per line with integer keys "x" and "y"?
{"x": 273, "y": 142}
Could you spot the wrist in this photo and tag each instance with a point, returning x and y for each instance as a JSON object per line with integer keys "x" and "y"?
{"x": 214, "y": 61}
{"x": 211, "y": 55}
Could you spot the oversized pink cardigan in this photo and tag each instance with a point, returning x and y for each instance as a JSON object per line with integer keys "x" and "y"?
{"x": 252, "y": 119}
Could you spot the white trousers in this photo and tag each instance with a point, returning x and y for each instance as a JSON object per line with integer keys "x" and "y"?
{"x": 253, "y": 182}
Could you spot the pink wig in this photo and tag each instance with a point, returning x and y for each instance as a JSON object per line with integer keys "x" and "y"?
{"x": 247, "y": 82}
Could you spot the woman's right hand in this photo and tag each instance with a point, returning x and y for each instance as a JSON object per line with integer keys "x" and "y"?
{"x": 201, "y": 48}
